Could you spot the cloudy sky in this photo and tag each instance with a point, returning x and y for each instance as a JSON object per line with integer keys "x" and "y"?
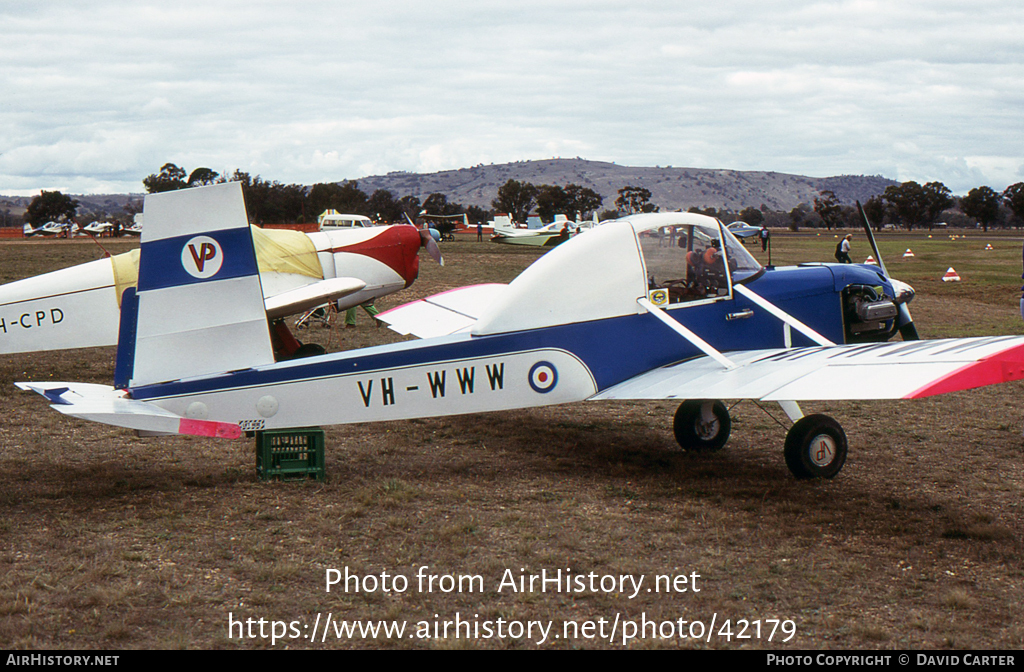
{"x": 97, "y": 94}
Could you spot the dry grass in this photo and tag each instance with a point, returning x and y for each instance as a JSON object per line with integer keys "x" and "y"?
{"x": 112, "y": 541}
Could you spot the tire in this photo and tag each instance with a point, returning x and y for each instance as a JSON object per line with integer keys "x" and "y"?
{"x": 692, "y": 433}
{"x": 816, "y": 447}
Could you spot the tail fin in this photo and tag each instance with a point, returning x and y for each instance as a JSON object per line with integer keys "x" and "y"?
{"x": 503, "y": 223}
{"x": 199, "y": 302}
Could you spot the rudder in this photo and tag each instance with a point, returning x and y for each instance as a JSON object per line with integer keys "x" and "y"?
{"x": 200, "y": 304}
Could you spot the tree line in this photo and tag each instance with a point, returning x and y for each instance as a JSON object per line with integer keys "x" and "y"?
{"x": 909, "y": 205}
{"x": 271, "y": 201}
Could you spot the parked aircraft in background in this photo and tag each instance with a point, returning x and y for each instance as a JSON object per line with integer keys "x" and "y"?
{"x": 744, "y": 231}
{"x": 80, "y": 306}
{"x": 555, "y": 233}
{"x": 98, "y": 228}
{"x": 47, "y": 229}
{"x": 701, "y": 321}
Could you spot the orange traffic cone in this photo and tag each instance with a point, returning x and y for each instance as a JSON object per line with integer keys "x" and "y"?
{"x": 951, "y": 276}
{"x": 908, "y": 254}
{"x": 870, "y": 260}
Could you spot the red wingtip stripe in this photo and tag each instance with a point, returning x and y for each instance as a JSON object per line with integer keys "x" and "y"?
{"x": 219, "y": 430}
{"x": 1001, "y": 367}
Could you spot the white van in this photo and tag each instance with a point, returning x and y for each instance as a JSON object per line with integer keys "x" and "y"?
{"x": 329, "y": 220}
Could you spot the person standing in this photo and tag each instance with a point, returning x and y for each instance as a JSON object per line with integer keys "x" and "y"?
{"x": 843, "y": 250}
{"x": 765, "y": 235}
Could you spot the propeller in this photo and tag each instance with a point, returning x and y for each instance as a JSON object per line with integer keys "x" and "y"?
{"x": 907, "y": 329}
{"x": 428, "y": 239}
{"x": 432, "y": 249}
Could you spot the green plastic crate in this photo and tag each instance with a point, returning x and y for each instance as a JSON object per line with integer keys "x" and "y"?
{"x": 289, "y": 454}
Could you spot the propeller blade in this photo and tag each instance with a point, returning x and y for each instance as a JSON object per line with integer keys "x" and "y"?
{"x": 907, "y": 329}
{"x": 432, "y": 249}
{"x": 871, "y": 239}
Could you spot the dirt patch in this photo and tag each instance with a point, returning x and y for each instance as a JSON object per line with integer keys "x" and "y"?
{"x": 108, "y": 540}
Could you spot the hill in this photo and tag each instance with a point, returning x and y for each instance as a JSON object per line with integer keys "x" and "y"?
{"x": 671, "y": 188}
{"x": 97, "y": 205}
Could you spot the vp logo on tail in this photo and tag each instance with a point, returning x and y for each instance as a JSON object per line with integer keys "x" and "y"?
{"x": 202, "y": 257}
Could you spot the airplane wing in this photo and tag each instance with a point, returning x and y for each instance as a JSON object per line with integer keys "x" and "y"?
{"x": 309, "y": 296}
{"x": 442, "y": 314}
{"x": 896, "y": 370}
{"x": 104, "y": 404}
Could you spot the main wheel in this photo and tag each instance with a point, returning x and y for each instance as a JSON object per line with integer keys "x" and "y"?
{"x": 702, "y": 425}
{"x": 815, "y": 447}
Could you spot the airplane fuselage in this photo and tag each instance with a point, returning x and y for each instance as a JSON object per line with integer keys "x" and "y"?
{"x": 466, "y": 373}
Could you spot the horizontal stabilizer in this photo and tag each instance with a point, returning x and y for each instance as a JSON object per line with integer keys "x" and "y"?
{"x": 301, "y": 299}
{"x": 444, "y": 313}
{"x": 897, "y": 370}
{"x": 104, "y": 404}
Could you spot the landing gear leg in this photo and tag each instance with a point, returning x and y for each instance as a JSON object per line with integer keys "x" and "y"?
{"x": 702, "y": 425}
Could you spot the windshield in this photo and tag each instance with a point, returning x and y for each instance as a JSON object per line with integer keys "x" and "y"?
{"x": 741, "y": 263}
{"x": 690, "y": 262}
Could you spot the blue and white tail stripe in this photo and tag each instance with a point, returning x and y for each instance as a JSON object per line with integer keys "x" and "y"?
{"x": 188, "y": 259}
{"x": 200, "y": 302}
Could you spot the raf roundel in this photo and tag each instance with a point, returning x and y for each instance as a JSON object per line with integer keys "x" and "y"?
{"x": 202, "y": 257}
{"x": 543, "y": 377}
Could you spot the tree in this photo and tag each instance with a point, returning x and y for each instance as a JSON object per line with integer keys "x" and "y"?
{"x": 385, "y": 207}
{"x": 937, "y": 198}
{"x": 798, "y": 216}
{"x": 476, "y": 214}
{"x": 828, "y": 208}
{"x": 752, "y": 216}
{"x": 1013, "y": 196}
{"x": 710, "y": 211}
{"x": 981, "y": 203}
{"x": 345, "y": 197}
{"x": 875, "y": 209}
{"x": 635, "y": 199}
{"x": 916, "y": 205}
{"x": 437, "y": 204}
{"x": 50, "y": 206}
{"x": 908, "y": 201}
{"x": 516, "y": 198}
{"x": 581, "y": 200}
{"x": 202, "y": 176}
{"x": 411, "y": 206}
{"x": 551, "y": 200}
{"x": 171, "y": 177}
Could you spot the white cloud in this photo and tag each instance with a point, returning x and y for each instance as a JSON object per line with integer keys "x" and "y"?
{"x": 99, "y": 94}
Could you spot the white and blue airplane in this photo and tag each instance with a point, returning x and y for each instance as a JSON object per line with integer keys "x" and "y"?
{"x": 610, "y": 314}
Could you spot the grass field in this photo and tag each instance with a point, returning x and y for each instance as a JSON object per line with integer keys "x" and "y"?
{"x": 108, "y": 540}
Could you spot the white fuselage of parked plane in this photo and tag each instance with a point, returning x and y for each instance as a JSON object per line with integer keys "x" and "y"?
{"x": 79, "y": 307}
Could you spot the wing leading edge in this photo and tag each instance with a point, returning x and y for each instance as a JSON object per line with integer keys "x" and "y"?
{"x": 898, "y": 370}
